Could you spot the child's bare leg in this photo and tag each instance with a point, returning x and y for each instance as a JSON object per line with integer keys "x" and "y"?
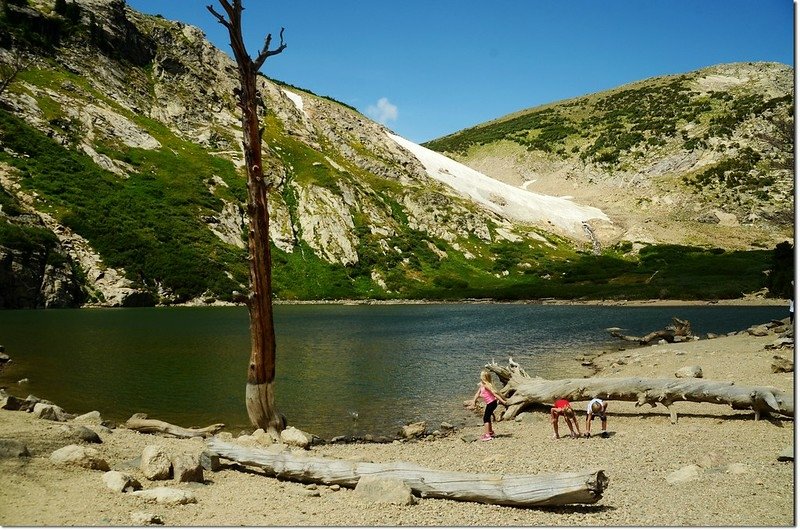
{"x": 554, "y": 421}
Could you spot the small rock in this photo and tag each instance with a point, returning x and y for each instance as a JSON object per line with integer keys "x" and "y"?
{"x": 689, "y": 371}
{"x": 92, "y": 418}
{"x": 156, "y": 464}
{"x": 414, "y": 430}
{"x": 144, "y": 518}
{"x": 79, "y": 433}
{"x": 49, "y": 412}
{"x": 78, "y": 455}
{"x": 334, "y": 487}
{"x": 445, "y": 426}
{"x": 469, "y": 438}
{"x": 120, "y": 482}
{"x": 293, "y": 436}
{"x": 13, "y": 449}
{"x": 782, "y": 365}
{"x": 787, "y": 455}
{"x": 210, "y": 461}
{"x": 9, "y": 402}
{"x": 163, "y": 495}
{"x": 385, "y": 491}
{"x": 186, "y": 468}
{"x": 758, "y": 331}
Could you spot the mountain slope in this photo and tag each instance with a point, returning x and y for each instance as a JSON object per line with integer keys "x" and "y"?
{"x": 700, "y": 158}
{"x": 121, "y": 163}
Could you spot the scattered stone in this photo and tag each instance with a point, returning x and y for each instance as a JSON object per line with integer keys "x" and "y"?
{"x": 13, "y": 449}
{"x": 49, "y": 412}
{"x": 186, "y": 467}
{"x": 92, "y": 418}
{"x": 689, "y": 371}
{"x": 4, "y": 358}
{"x": 23, "y": 381}
{"x": 781, "y": 343}
{"x": 156, "y": 464}
{"x": 144, "y": 518}
{"x": 711, "y": 335}
{"x": 684, "y": 474}
{"x": 469, "y": 438}
{"x": 312, "y": 493}
{"x": 78, "y": 455}
{"x": 758, "y": 331}
{"x": 787, "y": 455}
{"x": 263, "y": 438}
{"x": 782, "y": 365}
{"x": 445, "y": 426}
{"x": 294, "y": 437}
{"x": 9, "y": 402}
{"x": 414, "y": 430}
{"x": 79, "y": 433}
{"x": 120, "y": 482}
{"x": 385, "y": 491}
{"x": 163, "y": 495}
{"x": 210, "y": 461}
{"x": 311, "y": 486}
{"x": 334, "y": 487}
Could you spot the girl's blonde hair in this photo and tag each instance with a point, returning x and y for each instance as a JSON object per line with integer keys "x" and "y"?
{"x": 486, "y": 378}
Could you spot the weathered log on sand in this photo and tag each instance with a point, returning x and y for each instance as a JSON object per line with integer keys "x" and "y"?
{"x": 678, "y": 328}
{"x": 526, "y": 391}
{"x": 140, "y": 422}
{"x": 510, "y": 490}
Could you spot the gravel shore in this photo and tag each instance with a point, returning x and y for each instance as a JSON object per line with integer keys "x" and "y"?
{"x": 735, "y": 477}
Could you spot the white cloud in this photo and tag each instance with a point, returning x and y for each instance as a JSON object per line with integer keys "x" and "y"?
{"x": 382, "y": 111}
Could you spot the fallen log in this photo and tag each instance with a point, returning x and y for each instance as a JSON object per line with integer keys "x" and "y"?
{"x": 508, "y": 490}
{"x": 678, "y": 328}
{"x": 139, "y": 422}
{"x": 526, "y": 391}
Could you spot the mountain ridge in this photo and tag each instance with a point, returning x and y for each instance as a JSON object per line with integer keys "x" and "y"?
{"x": 122, "y": 135}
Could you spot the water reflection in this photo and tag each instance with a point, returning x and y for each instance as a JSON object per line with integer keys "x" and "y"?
{"x": 340, "y": 369}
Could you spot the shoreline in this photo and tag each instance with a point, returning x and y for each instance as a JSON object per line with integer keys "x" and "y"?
{"x": 750, "y": 300}
{"x": 704, "y": 470}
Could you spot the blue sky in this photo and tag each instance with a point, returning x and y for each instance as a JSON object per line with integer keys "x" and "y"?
{"x": 427, "y": 68}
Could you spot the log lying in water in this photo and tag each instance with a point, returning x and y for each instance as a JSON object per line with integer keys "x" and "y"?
{"x": 526, "y": 391}
{"x": 140, "y": 422}
{"x": 509, "y": 490}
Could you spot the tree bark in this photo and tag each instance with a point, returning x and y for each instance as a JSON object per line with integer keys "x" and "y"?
{"x": 509, "y": 490}
{"x": 259, "y": 392}
{"x": 527, "y": 391}
{"x": 140, "y": 423}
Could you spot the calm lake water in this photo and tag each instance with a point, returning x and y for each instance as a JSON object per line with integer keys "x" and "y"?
{"x": 389, "y": 364}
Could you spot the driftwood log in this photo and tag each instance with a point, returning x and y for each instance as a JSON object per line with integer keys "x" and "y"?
{"x": 509, "y": 490}
{"x": 140, "y": 422}
{"x": 526, "y": 391}
{"x": 678, "y": 328}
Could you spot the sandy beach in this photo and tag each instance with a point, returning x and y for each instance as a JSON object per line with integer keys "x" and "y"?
{"x": 735, "y": 477}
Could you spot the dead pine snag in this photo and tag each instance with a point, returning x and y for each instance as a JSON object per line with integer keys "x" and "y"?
{"x": 260, "y": 397}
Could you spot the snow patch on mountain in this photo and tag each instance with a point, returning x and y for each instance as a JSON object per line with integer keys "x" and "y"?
{"x": 508, "y": 201}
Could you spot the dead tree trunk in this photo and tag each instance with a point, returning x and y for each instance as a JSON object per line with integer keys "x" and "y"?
{"x": 526, "y": 391}
{"x": 259, "y": 394}
{"x": 509, "y": 490}
{"x": 678, "y": 328}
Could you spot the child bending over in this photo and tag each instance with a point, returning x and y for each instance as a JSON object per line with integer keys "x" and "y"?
{"x": 562, "y": 407}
